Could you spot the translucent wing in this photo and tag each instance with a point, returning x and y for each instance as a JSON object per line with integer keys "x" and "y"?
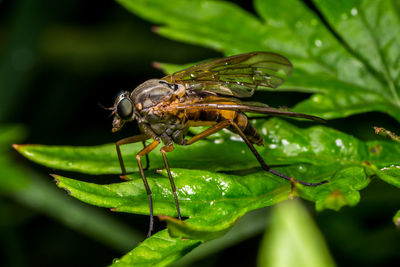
{"x": 237, "y": 76}
{"x": 223, "y": 103}
{"x": 260, "y": 109}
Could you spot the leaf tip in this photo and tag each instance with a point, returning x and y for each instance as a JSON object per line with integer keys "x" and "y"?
{"x": 15, "y": 146}
{"x": 156, "y": 65}
{"x": 56, "y": 179}
{"x": 18, "y": 147}
{"x": 58, "y": 182}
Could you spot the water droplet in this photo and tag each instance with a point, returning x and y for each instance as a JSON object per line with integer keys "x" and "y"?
{"x": 264, "y": 131}
{"x": 339, "y": 143}
{"x": 218, "y": 141}
{"x": 236, "y": 138}
{"x": 354, "y": 11}
{"x": 318, "y": 43}
{"x": 302, "y": 169}
{"x": 192, "y": 75}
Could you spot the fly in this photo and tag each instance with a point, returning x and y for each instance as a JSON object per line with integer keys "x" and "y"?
{"x": 203, "y": 95}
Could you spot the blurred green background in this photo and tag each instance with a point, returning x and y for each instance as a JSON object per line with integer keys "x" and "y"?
{"x": 58, "y": 60}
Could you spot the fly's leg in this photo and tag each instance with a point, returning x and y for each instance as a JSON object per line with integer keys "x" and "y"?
{"x": 209, "y": 131}
{"x": 163, "y": 150}
{"x": 144, "y": 152}
{"x": 223, "y": 124}
{"x": 264, "y": 165}
{"x": 128, "y": 140}
{"x": 147, "y": 157}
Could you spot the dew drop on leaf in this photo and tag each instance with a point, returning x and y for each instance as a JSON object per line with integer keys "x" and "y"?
{"x": 354, "y": 11}
{"x": 318, "y": 43}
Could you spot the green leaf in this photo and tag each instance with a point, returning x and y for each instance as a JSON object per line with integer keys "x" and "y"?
{"x": 390, "y": 174}
{"x": 158, "y": 250}
{"x": 364, "y": 27}
{"x": 103, "y": 159}
{"x": 201, "y": 193}
{"x": 240, "y": 232}
{"x": 293, "y": 239}
{"x": 32, "y": 190}
{"x": 347, "y": 76}
{"x": 312, "y": 154}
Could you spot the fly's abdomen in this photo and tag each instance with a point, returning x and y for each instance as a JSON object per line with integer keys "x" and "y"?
{"x": 212, "y": 116}
{"x": 247, "y": 128}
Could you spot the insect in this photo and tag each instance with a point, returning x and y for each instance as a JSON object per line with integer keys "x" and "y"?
{"x": 203, "y": 95}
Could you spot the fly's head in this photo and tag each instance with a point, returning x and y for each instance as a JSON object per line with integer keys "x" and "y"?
{"x": 123, "y": 111}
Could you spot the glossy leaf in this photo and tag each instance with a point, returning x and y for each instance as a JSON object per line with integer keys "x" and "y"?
{"x": 200, "y": 193}
{"x": 29, "y": 189}
{"x": 313, "y": 154}
{"x": 293, "y": 239}
{"x": 214, "y": 201}
{"x": 390, "y": 175}
{"x": 345, "y": 76}
{"x": 158, "y": 250}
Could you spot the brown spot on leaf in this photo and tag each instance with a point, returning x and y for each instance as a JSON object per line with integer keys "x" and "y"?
{"x": 335, "y": 200}
{"x": 377, "y": 149}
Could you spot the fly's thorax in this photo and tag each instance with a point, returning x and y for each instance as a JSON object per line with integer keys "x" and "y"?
{"x": 152, "y": 92}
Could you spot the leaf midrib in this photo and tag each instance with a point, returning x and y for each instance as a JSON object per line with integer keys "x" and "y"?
{"x": 386, "y": 74}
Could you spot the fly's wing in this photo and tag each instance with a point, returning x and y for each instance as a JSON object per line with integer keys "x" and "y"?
{"x": 250, "y": 107}
{"x": 237, "y": 76}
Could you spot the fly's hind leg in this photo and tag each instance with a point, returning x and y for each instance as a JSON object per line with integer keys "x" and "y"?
{"x": 164, "y": 150}
{"x": 128, "y": 140}
{"x": 264, "y": 165}
{"x": 209, "y": 131}
{"x": 224, "y": 124}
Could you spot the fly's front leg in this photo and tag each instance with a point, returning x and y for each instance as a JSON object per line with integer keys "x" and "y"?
{"x": 147, "y": 157}
{"x": 128, "y": 140}
{"x": 144, "y": 152}
{"x": 163, "y": 150}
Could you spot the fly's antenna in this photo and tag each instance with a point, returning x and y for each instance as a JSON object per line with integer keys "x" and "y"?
{"x": 112, "y": 109}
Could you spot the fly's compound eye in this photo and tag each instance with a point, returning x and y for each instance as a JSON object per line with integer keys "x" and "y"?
{"x": 125, "y": 108}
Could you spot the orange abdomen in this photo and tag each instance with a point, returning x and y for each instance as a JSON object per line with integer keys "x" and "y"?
{"x": 208, "y": 117}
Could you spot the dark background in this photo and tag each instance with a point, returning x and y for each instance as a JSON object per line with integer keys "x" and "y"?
{"x": 60, "y": 59}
